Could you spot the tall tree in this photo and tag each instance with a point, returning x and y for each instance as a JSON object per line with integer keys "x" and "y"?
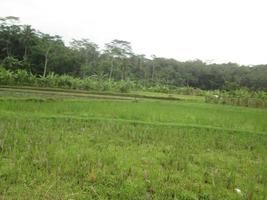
{"x": 119, "y": 50}
{"x": 9, "y": 35}
{"x": 28, "y": 39}
{"x": 89, "y": 54}
{"x": 153, "y": 66}
{"x": 47, "y": 45}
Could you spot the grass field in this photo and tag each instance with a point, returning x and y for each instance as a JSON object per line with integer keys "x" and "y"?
{"x": 74, "y": 147}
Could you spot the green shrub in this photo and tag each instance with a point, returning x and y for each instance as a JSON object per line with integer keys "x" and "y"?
{"x": 12, "y": 63}
{"x": 22, "y": 77}
{"x": 6, "y": 77}
{"x": 125, "y": 86}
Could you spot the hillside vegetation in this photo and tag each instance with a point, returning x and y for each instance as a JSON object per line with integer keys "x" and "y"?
{"x": 23, "y": 47}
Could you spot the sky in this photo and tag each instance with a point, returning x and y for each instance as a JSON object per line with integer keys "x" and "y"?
{"x": 217, "y": 31}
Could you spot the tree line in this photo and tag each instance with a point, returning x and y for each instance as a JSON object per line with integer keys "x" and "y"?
{"x": 23, "y": 47}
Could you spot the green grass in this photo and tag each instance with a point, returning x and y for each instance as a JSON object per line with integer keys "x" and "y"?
{"x": 54, "y": 148}
{"x": 181, "y": 112}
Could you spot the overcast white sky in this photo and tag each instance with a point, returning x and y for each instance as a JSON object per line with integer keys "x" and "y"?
{"x": 217, "y": 30}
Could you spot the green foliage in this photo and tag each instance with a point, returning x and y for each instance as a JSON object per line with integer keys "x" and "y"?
{"x": 6, "y": 77}
{"x": 159, "y": 88}
{"x": 125, "y": 86}
{"x": 12, "y": 63}
{"x": 22, "y": 77}
{"x": 240, "y": 97}
{"x": 23, "y": 47}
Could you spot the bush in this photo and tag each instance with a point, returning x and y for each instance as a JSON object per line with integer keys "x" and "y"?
{"x": 22, "y": 77}
{"x": 241, "y": 97}
{"x": 126, "y": 86}
{"x": 90, "y": 83}
{"x": 12, "y": 63}
{"x": 6, "y": 77}
{"x": 159, "y": 88}
{"x": 66, "y": 81}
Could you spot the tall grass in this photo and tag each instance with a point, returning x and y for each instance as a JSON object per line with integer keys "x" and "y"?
{"x": 76, "y": 149}
{"x": 181, "y": 113}
{"x": 73, "y": 159}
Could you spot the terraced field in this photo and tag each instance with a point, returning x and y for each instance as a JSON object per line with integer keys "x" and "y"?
{"x": 71, "y": 145}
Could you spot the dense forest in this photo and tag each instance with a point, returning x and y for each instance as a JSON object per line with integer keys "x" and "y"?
{"x": 23, "y": 47}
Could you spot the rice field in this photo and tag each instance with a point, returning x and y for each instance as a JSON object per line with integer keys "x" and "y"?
{"x": 82, "y": 148}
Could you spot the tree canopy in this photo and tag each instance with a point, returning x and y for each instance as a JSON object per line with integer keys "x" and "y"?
{"x": 23, "y": 47}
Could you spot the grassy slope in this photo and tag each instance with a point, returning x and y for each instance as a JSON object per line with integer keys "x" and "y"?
{"x": 74, "y": 149}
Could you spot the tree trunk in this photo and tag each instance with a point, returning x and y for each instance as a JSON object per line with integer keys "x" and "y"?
{"x": 111, "y": 69}
{"x": 153, "y": 70}
{"x": 122, "y": 72}
{"x": 46, "y": 61}
{"x": 7, "y": 49}
{"x": 25, "y": 54}
{"x": 124, "y": 69}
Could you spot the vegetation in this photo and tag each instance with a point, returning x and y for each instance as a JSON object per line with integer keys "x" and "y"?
{"x": 22, "y": 77}
{"x": 239, "y": 97}
{"x": 23, "y": 47}
{"x": 80, "y": 122}
{"x": 101, "y": 149}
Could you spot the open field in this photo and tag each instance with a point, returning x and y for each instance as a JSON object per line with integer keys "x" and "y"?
{"x": 70, "y": 146}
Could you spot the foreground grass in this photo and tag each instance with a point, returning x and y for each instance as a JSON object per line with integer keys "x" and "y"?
{"x": 77, "y": 149}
